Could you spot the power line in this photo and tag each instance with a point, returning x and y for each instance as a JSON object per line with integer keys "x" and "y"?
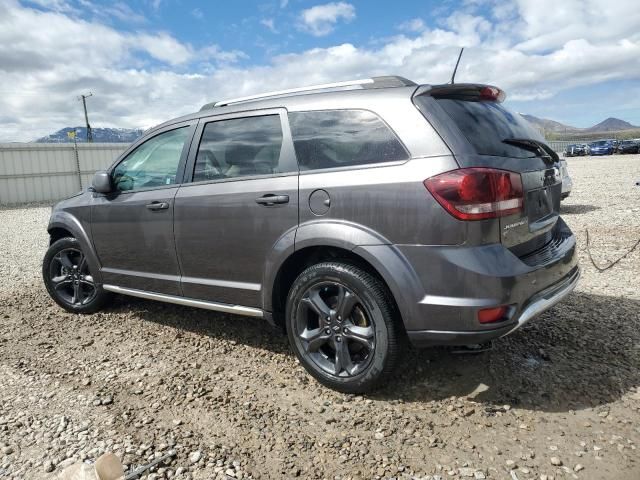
{"x": 86, "y": 116}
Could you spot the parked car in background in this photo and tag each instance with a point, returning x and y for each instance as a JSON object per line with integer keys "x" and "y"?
{"x": 354, "y": 219}
{"x": 629, "y": 146}
{"x": 567, "y": 182}
{"x": 601, "y": 147}
{"x": 574, "y": 150}
{"x": 587, "y": 149}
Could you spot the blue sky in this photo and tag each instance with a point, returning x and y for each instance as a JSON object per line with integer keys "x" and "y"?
{"x": 574, "y": 61}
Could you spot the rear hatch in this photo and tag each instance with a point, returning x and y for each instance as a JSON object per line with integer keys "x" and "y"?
{"x": 481, "y": 132}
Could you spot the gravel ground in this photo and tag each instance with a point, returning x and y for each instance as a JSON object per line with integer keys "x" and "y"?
{"x": 558, "y": 399}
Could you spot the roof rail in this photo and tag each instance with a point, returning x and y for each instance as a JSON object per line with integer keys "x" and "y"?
{"x": 375, "y": 82}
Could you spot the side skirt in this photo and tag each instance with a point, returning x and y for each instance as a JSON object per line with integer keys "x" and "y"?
{"x": 189, "y": 302}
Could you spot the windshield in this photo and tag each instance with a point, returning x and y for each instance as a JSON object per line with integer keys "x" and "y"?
{"x": 601, "y": 143}
{"x": 488, "y": 124}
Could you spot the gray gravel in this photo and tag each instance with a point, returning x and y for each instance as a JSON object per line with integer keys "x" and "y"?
{"x": 559, "y": 399}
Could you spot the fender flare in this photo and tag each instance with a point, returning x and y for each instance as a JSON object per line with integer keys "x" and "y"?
{"x": 66, "y": 221}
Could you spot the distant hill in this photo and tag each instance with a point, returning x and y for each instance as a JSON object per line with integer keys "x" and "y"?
{"x": 100, "y": 135}
{"x": 611, "y": 125}
{"x": 549, "y": 125}
{"x": 553, "y": 130}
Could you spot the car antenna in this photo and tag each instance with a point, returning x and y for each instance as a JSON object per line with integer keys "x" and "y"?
{"x": 453, "y": 76}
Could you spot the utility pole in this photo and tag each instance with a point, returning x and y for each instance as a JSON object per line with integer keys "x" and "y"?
{"x": 86, "y": 116}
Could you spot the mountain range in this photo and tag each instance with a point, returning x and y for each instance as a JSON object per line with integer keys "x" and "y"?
{"x": 100, "y": 135}
{"x": 609, "y": 125}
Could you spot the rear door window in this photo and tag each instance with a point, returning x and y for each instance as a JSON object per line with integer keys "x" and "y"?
{"x": 343, "y": 138}
{"x": 486, "y": 124}
{"x": 239, "y": 147}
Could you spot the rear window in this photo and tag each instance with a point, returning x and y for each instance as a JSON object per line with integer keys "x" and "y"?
{"x": 342, "y": 138}
{"x": 486, "y": 124}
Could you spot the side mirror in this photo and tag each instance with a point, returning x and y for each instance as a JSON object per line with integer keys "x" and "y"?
{"x": 102, "y": 182}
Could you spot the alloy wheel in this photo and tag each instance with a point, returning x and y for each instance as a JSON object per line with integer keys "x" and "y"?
{"x": 335, "y": 329}
{"x": 70, "y": 277}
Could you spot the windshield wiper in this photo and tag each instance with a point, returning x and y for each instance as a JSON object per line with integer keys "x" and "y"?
{"x": 539, "y": 148}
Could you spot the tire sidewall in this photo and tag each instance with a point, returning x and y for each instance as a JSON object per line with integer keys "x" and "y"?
{"x": 360, "y": 282}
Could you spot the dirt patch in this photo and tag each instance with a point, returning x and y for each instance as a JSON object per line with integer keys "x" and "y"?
{"x": 559, "y": 398}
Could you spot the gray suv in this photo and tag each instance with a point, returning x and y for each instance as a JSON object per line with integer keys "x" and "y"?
{"x": 357, "y": 216}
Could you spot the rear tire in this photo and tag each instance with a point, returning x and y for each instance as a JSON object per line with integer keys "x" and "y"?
{"x": 343, "y": 326}
{"x": 70, "y": 284}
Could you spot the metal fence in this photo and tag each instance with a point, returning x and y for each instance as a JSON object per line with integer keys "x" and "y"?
{"x": 560, "y": 145}
{"x": 38, "y": 172}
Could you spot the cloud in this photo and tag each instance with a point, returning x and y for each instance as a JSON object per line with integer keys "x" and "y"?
{"x": 413, "y": 25}
{"x": 270, "y": 24}
{"x": 142, "y": 78}
{"x": 321, "y": 19}
{"x": 197, "y": 14}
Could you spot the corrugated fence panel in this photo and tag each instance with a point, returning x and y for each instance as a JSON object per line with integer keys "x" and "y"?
{"x": 36, "y": 172}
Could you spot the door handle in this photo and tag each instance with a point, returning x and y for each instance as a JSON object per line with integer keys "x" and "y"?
{"x": 271, "y": 199}
{"x": 158, "y": 205}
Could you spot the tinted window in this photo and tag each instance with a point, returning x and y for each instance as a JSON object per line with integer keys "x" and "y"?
{"x": 340, "y": 138}
{"x": 239, "y": 147}
{"x": 153, "y": 163}
{"x": 486, "y": 124}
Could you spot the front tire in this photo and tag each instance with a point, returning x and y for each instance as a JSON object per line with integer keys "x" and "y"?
{"x": 68, "y": 280}
{"x": 343, "y": 326}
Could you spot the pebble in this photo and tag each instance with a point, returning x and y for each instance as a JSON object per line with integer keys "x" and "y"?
{"x": 556, "y": 461}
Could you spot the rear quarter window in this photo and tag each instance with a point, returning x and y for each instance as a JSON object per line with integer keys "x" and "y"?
{"x": 343, "y": 138}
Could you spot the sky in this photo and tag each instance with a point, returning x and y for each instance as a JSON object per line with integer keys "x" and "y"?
{"x": 146, "y": 61}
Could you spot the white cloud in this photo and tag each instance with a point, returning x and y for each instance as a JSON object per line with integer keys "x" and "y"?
{"x": 270, "y": 24}
{"x": 197, "y": 14}
{"x": 321, "y": 19}
{"x": 48, "y": 58}
{"x": 413, "y": 25}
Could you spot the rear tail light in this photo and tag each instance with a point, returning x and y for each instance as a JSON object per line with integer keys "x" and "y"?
{"x": 478, "y": 193}
{"x": 491, "y": 315}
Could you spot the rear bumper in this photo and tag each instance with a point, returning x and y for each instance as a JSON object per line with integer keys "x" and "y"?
{"x": 457, "y": 281}
{"x": 538, "y": 304}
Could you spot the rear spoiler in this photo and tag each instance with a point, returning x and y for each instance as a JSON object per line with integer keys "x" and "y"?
{"x": 471, "y": 92}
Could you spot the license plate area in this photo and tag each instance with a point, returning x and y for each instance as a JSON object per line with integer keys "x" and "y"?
{"x": 543, "y": 202}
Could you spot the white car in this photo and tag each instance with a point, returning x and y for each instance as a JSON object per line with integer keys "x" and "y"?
{"x": 567, "y": 183}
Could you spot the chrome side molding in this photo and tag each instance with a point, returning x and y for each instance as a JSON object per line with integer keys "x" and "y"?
{"x": 188, "y": 302}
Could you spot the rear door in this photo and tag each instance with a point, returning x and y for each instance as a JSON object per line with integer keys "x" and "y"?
{"x": 242, "y": 199}
{"x": 483, "y": 133}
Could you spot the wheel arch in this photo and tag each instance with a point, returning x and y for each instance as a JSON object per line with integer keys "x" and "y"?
{"x": 368, "y": 251}
{"x": 63, "y": 224}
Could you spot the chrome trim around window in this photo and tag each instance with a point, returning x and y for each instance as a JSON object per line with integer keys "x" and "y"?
{"x": 189, "y": 302}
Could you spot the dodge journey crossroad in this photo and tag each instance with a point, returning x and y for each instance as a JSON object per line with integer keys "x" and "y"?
{"x": 356, "y": 216}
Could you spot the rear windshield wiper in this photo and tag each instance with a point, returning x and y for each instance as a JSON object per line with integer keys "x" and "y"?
{"x": 539, "y": 148}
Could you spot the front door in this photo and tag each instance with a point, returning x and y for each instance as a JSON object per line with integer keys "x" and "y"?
{"x": 132, "y": 227}
{"x": 242, "y": 199}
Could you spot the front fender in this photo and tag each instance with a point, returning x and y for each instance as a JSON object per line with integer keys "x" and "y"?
{"x": 67, "y": 221}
